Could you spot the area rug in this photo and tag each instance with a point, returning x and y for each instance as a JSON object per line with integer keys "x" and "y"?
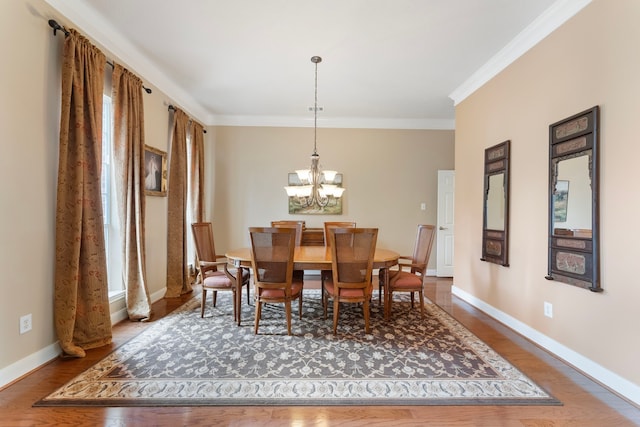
{"x": 186, "y": 360}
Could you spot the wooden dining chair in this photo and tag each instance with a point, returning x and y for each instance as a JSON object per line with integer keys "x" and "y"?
{"x": 352, "y": 252}
{"x": 272, "y": 250}
{"x": 298, "y": 225}
{"x": 411, "y": 271}
{"x": 328, "y": 225}
{"x": 214, "y": 271}
{"x": 334, "y": 224}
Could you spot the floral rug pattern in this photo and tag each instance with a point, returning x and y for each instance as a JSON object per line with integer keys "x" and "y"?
{"x": 185, "y": 360}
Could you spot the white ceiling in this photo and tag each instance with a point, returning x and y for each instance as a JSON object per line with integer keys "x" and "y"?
{"x": 386, "y": 63}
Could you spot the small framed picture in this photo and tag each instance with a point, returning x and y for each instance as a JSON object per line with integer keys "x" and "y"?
{"x": 155, "y": 172}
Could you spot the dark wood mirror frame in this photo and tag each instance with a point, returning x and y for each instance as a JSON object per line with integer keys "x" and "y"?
{"x": 574, "y": 252}
{"x": 495, "y": 241}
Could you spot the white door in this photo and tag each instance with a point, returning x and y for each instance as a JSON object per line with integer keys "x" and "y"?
{"x": 445, "y": 228}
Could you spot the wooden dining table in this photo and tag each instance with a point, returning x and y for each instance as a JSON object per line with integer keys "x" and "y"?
{"x": 313, "y": 258}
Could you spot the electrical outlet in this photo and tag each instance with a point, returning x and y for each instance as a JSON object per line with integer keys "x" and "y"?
{"x": 548, "y": 309}
{"x": 25, "y": 323}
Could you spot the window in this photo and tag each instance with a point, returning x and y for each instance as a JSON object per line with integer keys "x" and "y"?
{"x": 109, "y": 207}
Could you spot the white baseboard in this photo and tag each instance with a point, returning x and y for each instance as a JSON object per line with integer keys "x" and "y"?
{"x": 50, "y": 352}
{"x": 28, "y": 364}
{"x": 121, "y": 314}
{"x": 615, "y": 382}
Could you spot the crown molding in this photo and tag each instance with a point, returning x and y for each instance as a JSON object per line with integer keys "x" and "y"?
{"x": 103, "y": 33}
{"x": 329, "y": 122}
{"x": 552, "y": 18}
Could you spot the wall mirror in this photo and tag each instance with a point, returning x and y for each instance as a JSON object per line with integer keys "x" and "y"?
{"x": 573, "y": 201}
{"x": 495, "y": 229}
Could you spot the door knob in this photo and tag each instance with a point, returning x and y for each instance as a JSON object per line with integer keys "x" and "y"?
{"x": 442, "y": 228}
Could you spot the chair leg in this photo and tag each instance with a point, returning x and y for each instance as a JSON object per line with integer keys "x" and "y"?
{"x": 412, "y": 294}
{"x": 300, "y": 306}
{"x": 248, "y": 298}
{"x": 215, "y": 297}
{"x": 235, "y": 305}
{"x": 203, "y": 302}
{"x": 287, "y": 311}
{"x": 325, "y": 301}
{"x": 336, "y": 309}
{"x": 421, "y": 303}
{"x": 258, "y": 312}
{"x": 365, "y": 308}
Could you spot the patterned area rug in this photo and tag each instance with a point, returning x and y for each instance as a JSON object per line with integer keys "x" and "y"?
{"x": 184, "y": 360}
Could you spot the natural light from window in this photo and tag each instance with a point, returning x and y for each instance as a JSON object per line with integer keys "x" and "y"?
{"x": 109, "y": 207}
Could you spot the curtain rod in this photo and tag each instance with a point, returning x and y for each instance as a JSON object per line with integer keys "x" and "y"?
{"x": 172, "y": 107}
{"x": 57, "y": 27}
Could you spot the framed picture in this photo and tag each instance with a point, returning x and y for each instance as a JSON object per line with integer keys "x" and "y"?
{"x": 297, "y": 205}
{"x": 155, "y": 172}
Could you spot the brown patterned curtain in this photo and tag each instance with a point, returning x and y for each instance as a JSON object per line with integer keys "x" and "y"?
{"x": 128, "y": 154}
{"x": 178, "y": 281}
{"x": 196, "y": 172}
{"x": 81, "y": 290}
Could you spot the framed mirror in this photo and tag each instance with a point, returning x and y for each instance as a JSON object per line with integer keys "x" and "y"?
{"x": 574, "y": 200}
{"x": 495, "y": 229}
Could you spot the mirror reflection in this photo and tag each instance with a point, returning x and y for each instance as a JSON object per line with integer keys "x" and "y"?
{"x": 572, "y": 197}
{"x": 495, "y": 202}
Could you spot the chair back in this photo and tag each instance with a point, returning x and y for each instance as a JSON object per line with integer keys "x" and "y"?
{"x": 352, "y": 253}
{"x": 334, "y": 224}
{"x": 203, "y": 239}
{"x": 422, "y": 249}
{"x": 272, "y": 250}
{"x": 298, "y": 225}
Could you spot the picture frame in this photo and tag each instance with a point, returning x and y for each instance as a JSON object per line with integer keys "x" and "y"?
{"x": 295, "y": 208}
{"x": 155, "y": 172}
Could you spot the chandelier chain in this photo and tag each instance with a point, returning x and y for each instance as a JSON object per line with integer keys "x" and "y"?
{"x": 315, "y": 113}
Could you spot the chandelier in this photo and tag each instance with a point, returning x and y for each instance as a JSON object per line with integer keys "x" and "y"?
{"x": 318, "y": 187}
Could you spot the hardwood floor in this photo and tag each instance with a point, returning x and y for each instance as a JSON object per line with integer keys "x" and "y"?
{"x": 585, "y": 402}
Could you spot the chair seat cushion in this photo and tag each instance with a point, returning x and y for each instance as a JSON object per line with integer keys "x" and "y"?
{"x": 217, "y": 280}
{"x": 345, "y": 292}
{"x": 405, "y": 280}
{"x": 296, "y": 288}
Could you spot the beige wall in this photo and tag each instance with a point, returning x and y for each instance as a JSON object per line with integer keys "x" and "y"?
{"x": 590, "y": 60}
{"x": 387, "y": 174}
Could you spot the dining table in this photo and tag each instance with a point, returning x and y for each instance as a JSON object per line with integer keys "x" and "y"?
{"x": 314, "y": 258}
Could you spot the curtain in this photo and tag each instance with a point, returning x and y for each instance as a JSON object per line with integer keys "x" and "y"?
{"x": 128, "y": 154}
{"x": 81, "y": 299}
{"x": 196, "y": 185}
{"x": 178, "y": 281}
{"x": 196, "y": 170}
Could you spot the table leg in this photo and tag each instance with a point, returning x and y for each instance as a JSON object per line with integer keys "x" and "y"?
{"x": 238, "y": 294}
{"x": 385, "y": 290}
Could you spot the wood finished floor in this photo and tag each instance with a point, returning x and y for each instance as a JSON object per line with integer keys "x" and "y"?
{"x": 585, "y": 402}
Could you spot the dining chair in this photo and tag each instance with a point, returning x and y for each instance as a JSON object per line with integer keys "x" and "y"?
{"x": 272, "y": 250}
{"x": 299, "y": 227}
{"x": 328, "y": 225}
{"x": 333, "y": 224}
{"x": 352, "y": 252}
{"x": 214, "y": 271}
{"x": 411, "y": 271}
